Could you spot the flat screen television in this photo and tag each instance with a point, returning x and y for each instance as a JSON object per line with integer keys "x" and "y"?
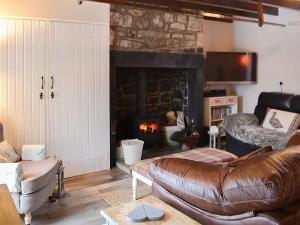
{"x": 231, "y": 68}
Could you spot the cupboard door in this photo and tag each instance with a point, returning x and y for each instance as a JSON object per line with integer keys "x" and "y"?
{"x": 79, "y": 110}
{"x": 22, "y": 65}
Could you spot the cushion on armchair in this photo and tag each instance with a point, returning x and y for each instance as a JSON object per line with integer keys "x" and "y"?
{"x": 263, "y": 182}
{"x": 7, "y": 151}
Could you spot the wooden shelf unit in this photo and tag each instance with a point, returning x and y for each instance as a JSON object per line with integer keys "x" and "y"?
{"x": 217, "y": 108}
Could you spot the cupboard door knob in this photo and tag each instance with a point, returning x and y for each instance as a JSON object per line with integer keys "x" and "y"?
{"x": 52, "y": 82}
{"x": 52, "y": 94}
{"x": 41, "y": 95}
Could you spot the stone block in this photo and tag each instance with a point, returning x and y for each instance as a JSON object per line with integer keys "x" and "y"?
{"x": 142, "y": 23}
{"x": 117, "y": 19}
{"x": 165, "y": 98}
{"x": 157, "y": 21}
{"x": 129, "y": 89}
{"x": 137, "y": 45}
{"x": 177, "y": 36}
{"x": 136, "y": 12}
{"x": 165, "y": 85}
{"x": 125, "y": 44}
{"x": 153, "y": 100}
{"x": 195, "y": 23}
{"x": 169, "y": 17}
{"x": 152, "y": 86}
{"x": 177, "y": 26}
{"x": 187, "y": 43}
{"x": 200, "y": 39}
{"x": 191, "y": 37}
{"x": 182, "y": 18}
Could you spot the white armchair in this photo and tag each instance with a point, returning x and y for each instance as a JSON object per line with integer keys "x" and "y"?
{"x": 30, "y": 182}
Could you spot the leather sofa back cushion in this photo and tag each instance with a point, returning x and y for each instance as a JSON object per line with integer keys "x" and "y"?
{"x": 272, "y": 100}
{"x": 295, "y": 104}
{"x": 261, "y": 183}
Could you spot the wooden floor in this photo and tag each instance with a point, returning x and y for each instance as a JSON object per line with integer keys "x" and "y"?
{"x": 82, "y": 203}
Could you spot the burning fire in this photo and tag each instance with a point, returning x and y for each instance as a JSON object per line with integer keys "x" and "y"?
{"x": 148, "y": 127}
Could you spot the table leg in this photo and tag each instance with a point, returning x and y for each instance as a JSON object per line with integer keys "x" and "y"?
{"x": 134, "y": 187}
{"x": 215, "y": 141}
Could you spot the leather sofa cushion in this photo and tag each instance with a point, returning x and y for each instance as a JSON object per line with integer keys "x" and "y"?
{"x": 272, "y": 100}
{"x": 294, "y": 140}
{"x": 250, "y": 155}
{"x": 295, "y": 104}
{"x": 261, "y": 183}
{"x": 37, "y": 174}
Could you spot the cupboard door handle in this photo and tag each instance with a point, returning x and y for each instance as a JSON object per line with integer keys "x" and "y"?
{"x": 52, "y": 82}
{"x": 42, "y": 82}
{"x": 41, "y": 93}
{"x": 52, "y": 87}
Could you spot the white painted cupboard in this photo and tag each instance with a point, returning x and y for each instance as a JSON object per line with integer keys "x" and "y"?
{"x": 54, "y": 89}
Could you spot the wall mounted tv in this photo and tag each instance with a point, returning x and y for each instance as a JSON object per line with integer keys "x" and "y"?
{"x": 231, "y": 68}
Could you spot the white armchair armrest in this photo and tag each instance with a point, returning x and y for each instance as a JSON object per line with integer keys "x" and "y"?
{"x": 33, "y": 152}
{"x": 11, "y": 174}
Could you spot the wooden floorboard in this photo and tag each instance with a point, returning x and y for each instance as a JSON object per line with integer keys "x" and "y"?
{"x": 82, "y": 202}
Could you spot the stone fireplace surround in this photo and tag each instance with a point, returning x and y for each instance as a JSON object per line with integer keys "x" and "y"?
{"x": 159, "y": 55}
{"x": 141, "y": 62}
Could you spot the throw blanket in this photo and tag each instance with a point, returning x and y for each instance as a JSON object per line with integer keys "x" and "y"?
{"x": 245, "y": 127}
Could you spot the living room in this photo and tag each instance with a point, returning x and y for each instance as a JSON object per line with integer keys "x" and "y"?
{"x": 149, "y": 112}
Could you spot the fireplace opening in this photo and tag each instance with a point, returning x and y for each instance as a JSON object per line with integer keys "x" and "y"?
{"x": 145, "y": 87}
{"x": 146, "y": 95}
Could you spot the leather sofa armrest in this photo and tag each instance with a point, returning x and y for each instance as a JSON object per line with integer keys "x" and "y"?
{"x": 197, "y": 183}
{"x": 295, "y": 139}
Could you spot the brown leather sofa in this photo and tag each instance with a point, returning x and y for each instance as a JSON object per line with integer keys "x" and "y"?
{"x": 261, "y": 188}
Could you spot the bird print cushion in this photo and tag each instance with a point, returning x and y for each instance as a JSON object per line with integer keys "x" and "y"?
{"x": 282, "y": 121}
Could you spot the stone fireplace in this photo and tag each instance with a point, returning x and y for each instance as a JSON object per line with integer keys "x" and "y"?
{"x": 146, "y": 85}
{"x": 156, "y": 67}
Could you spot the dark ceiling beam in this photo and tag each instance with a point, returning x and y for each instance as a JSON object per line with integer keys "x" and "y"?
{"x": 184, "y": 5}
{"x": 240, "y": 5}
{"x": 290, "y": 4}
{"x": 155, "y": 7}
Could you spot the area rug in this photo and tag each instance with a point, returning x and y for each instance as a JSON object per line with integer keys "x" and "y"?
{"x": 119, "y": 197}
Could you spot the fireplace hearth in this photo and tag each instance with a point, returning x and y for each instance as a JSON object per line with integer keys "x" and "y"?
{"x": 147, "y": 85}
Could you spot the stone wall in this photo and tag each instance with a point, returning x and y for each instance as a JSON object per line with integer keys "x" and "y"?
{"x": 166, "y": 90}
{"x": 145, "y": 29}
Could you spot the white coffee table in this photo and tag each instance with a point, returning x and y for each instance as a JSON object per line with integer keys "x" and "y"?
{"x": 118, "y": 215}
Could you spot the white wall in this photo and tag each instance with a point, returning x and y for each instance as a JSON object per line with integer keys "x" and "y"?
{"x": 278, "y": 56}
{"x": 217, "y": 36}
{"x": 56, "y": 9}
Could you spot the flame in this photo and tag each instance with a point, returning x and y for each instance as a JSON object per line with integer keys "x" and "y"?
{"x": 148, "y": 127}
